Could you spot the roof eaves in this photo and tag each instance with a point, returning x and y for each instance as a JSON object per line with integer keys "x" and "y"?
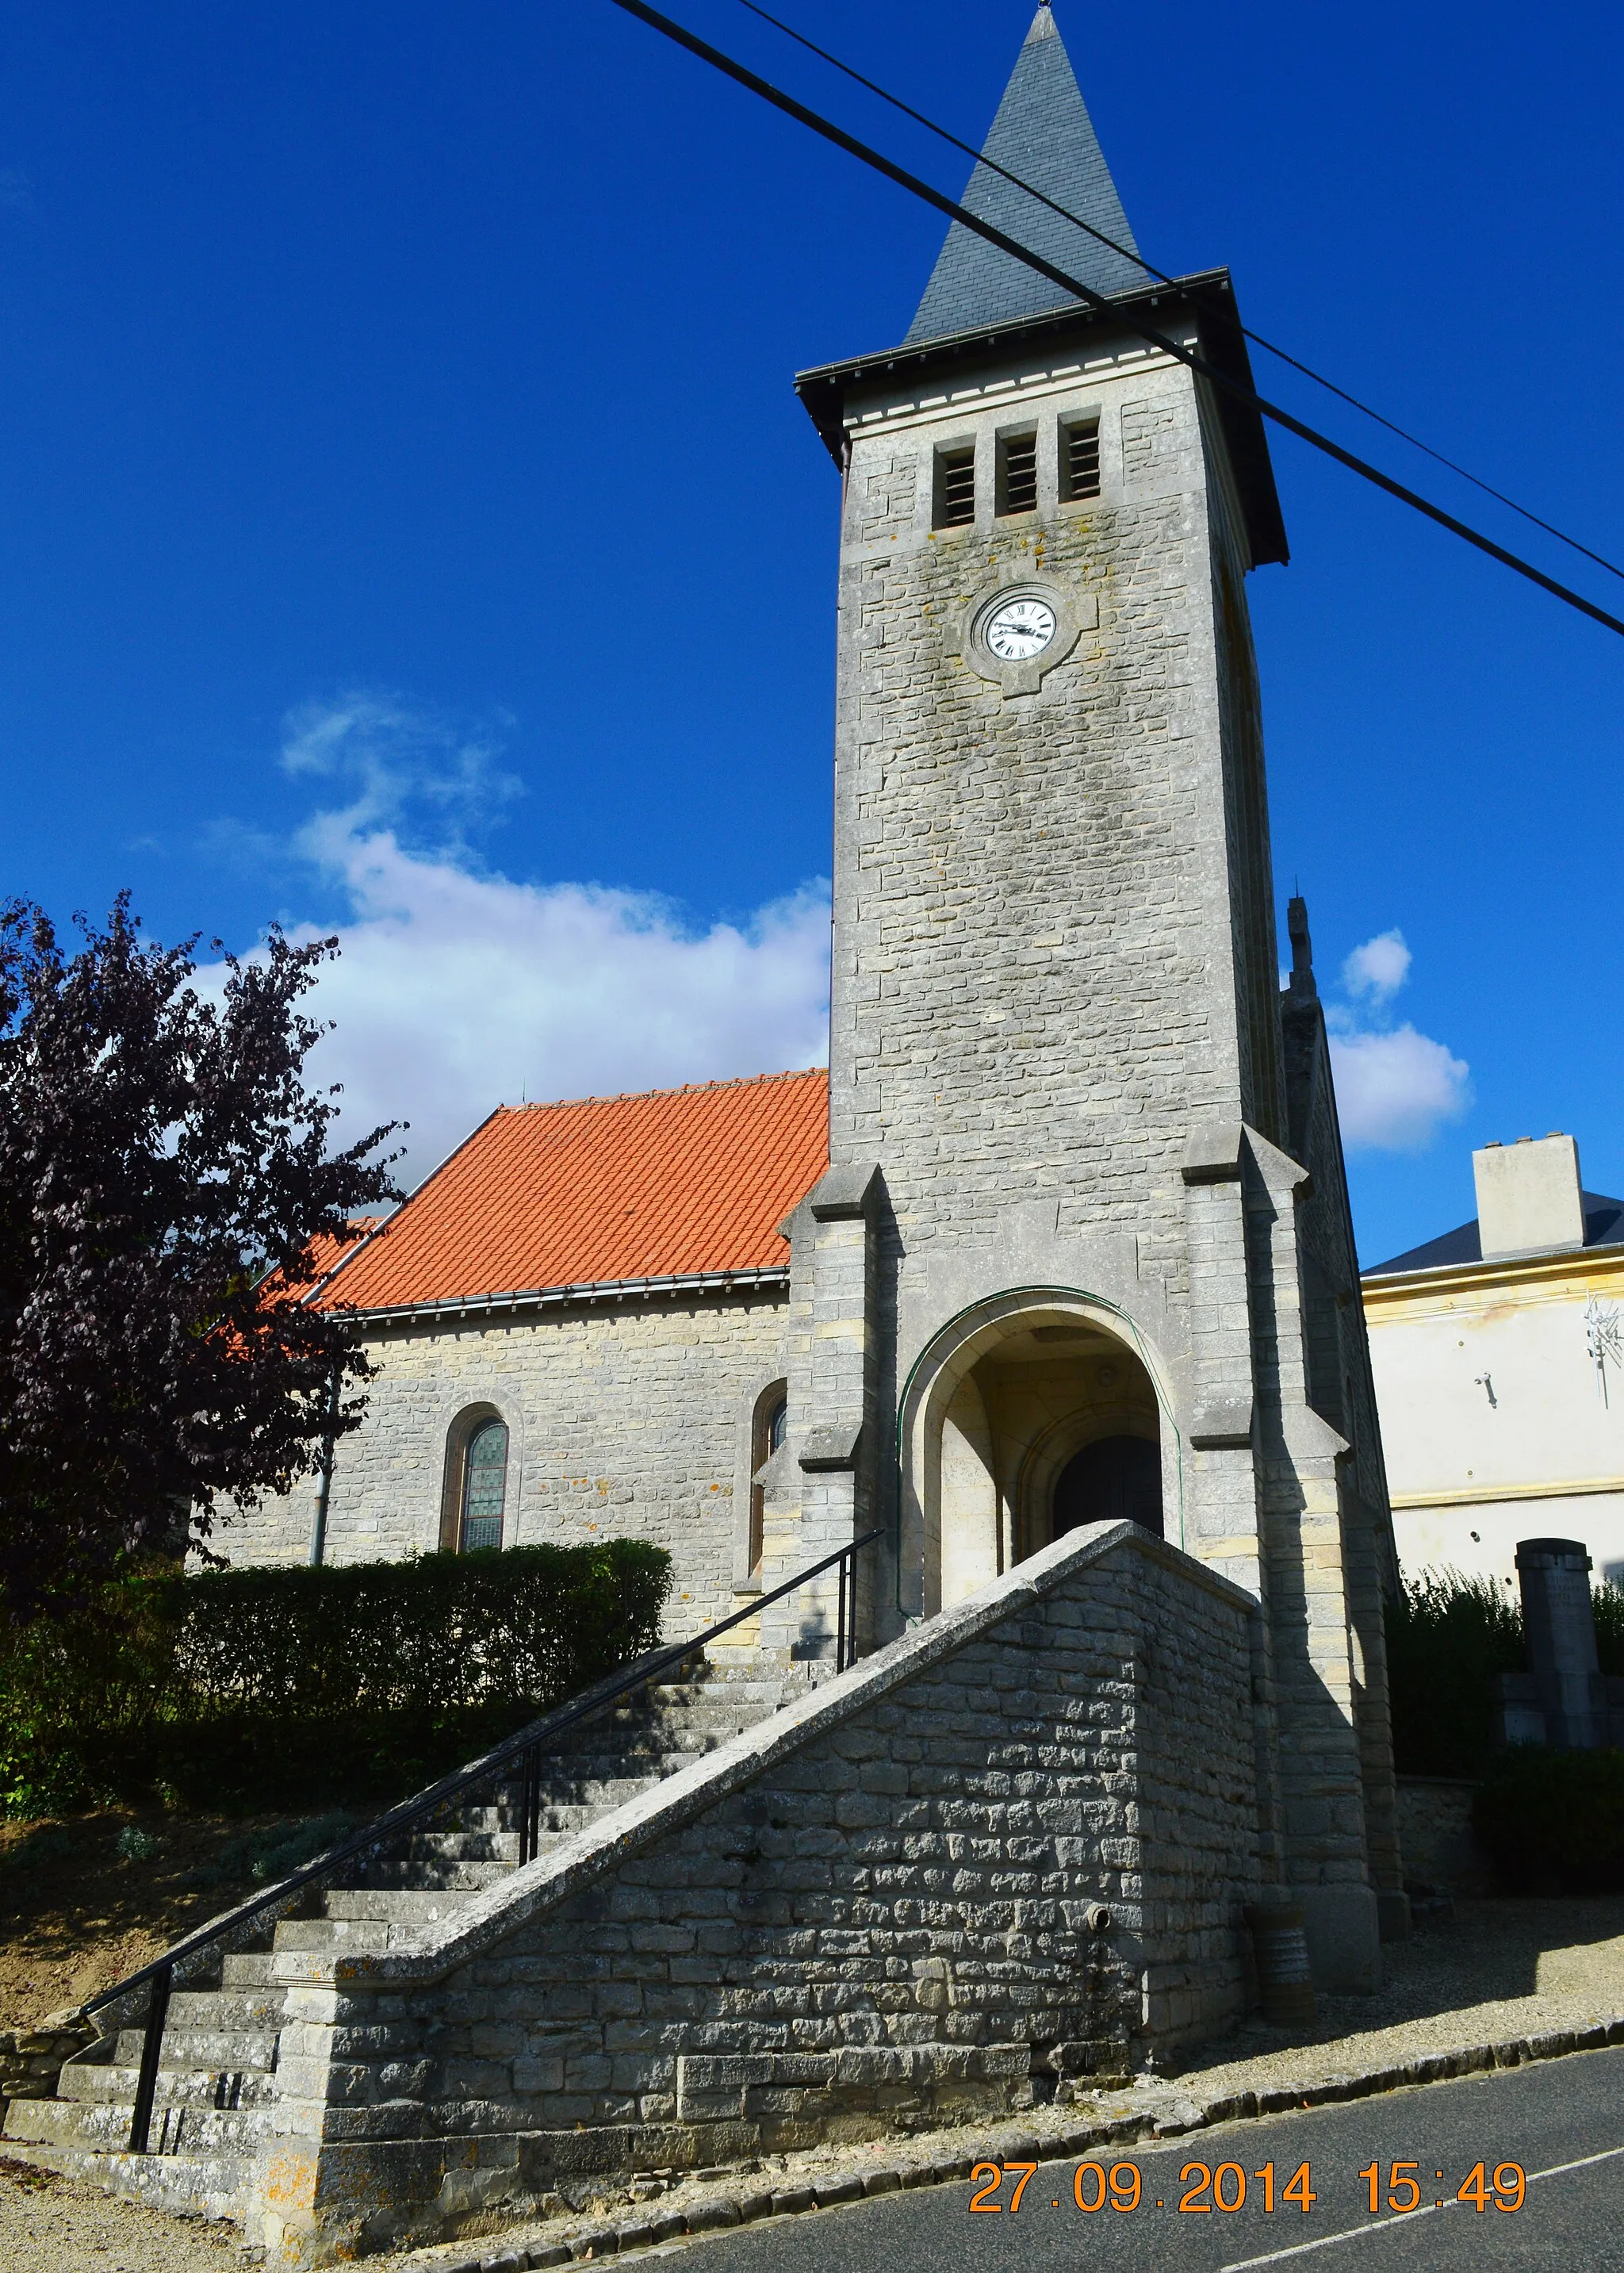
{"x": 766, "y": 1278}
{"x": 1524, "y": 1265}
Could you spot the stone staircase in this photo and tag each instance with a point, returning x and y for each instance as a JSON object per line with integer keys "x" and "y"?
{"x": 217, "y": 2078}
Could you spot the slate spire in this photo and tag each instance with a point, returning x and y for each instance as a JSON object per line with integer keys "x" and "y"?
{"x": 1044, "y": 134}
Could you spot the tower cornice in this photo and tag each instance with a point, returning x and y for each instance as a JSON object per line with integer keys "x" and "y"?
{"x": 1209, "y": 295}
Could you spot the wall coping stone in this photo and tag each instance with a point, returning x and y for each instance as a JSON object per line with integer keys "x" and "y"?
{"x": 843, "y": 1193}
{"x": 1212, "y": 1155}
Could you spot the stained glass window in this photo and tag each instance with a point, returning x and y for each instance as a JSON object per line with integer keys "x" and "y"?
{"x": 484, "y": 1486}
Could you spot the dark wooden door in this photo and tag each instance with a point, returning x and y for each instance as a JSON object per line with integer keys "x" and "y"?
{"x": 1119, "y": 1480}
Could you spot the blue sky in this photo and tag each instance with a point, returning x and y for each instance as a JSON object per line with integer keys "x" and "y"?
{"x": 411, "y": 527}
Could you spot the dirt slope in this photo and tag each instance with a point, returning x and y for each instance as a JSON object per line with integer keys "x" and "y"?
{"x": 86, "y": 1898}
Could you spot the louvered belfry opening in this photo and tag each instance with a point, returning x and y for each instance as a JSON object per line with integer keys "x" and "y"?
{"x": 1080, "y": 459}
{"x": 1017, "y": 473}
{"x": 955, "y": 488}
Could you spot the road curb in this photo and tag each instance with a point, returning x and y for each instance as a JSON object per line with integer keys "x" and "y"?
{"x": 1168, "y": 2119}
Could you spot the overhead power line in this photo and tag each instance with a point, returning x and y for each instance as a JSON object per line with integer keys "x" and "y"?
{"x": 1128, "y": 252}
{"x": 1077, "y": 290}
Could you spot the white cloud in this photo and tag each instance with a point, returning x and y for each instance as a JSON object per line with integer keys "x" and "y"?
{"x": 399, "y": 758}
{"x": 1395, "y": 1087}
{"x": 457, "y": 989}
{"x": 1396, "y": 1090}
{"x": 1378, "y": 969}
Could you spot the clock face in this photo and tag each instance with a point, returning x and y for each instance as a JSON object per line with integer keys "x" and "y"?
{"x": 1019, "y": 629}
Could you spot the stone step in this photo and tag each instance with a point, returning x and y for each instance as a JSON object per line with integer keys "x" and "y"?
{"x": 355, "y": 1937}
{"x": 390, "y": 1905}
{"x": 459, "y": 1847}
{"x": 596, "y": 1789}
{"x": 736, "y": 1704}
{"x": 203, "y": 2048}
{"x": 594, "y": 1786}
{"x": 246, "y": 1968}
{"x": 656, "y": 1738}
{"x": 186, "y": 2186}
{"x": 233, "y": 2007}
{"x": 480, "y": 1846}
{"x": 673, "y": 1763}
{"x": 228, "y": 2088}
{"x": 440, "y": 1875}
{"x": 102, "y": 2127}
{"x": 693, "y": 1743}
{"x": 563, "y": 1779}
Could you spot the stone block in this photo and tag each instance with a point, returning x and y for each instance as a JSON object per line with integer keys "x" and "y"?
{"x": 711, "y": 2213}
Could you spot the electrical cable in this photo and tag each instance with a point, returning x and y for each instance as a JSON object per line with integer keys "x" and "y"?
{"x": 1074, "y": 286}
{"x": 1161, "y": 276}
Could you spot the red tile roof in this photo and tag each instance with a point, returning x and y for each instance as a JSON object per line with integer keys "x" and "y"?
{"x": 325, "y": 1253}
{"x": 675, "y": 1182}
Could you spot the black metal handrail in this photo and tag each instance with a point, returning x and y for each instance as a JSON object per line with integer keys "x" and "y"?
{"x": 525, "y": 1748}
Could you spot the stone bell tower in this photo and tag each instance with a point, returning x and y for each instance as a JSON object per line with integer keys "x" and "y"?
{"x": 1084, "y": 1248}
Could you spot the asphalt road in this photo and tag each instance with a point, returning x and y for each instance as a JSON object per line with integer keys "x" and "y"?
{"x": 1561, "y": 2121}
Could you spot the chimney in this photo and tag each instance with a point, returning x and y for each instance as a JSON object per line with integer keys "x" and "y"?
{"x": 1528, "y": 1200}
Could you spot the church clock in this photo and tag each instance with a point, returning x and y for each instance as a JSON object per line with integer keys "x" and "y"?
{"x": 1019, "y": 629}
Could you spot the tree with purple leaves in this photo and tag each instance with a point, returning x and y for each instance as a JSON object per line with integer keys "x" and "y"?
{"x": 167, "y": 1186}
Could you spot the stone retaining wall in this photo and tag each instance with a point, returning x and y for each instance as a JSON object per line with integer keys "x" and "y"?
{"x": 880, "y": 1910}
{"x": 32, "y": 2058}
{"x": 1439, "y": 1847}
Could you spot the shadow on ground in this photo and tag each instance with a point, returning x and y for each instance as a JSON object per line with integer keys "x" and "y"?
{"x": 1501, "y": 1967}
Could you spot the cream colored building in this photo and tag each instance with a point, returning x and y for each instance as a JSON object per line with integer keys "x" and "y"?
{"x": 1498, "y": 1358}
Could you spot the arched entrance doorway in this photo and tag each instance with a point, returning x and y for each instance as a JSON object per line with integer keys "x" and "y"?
{"x": 1035, "y": 1420}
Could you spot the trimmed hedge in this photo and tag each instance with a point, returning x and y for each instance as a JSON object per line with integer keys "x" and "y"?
{"x": 1554, "y": 1822}
{"x": 286, "y": 1686}
{"x": 1449, "y": 1638}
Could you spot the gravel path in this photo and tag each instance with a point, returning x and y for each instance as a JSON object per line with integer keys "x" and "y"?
{"x": 52, "y": 2224}
{"x": 1498, "y": 1969}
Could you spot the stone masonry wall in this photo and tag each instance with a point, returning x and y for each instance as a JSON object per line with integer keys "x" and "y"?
{"x": 31, "y": 2060}
{"x": 1034, "y": 929}
{"x": 871, "y": 1911}
{"x": 632, "y": 1422}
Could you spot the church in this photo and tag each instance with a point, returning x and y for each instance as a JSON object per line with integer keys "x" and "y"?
{"x": 1063, "y": 1236}
{"x": 1008, "y": 1386}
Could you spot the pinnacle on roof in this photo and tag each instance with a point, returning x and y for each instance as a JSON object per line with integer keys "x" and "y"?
{"x": 1042, "y": 134}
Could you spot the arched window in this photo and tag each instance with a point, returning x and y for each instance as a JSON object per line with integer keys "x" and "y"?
{"x": 767, "y": 1435}
{"x": 484, "y": 1487}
